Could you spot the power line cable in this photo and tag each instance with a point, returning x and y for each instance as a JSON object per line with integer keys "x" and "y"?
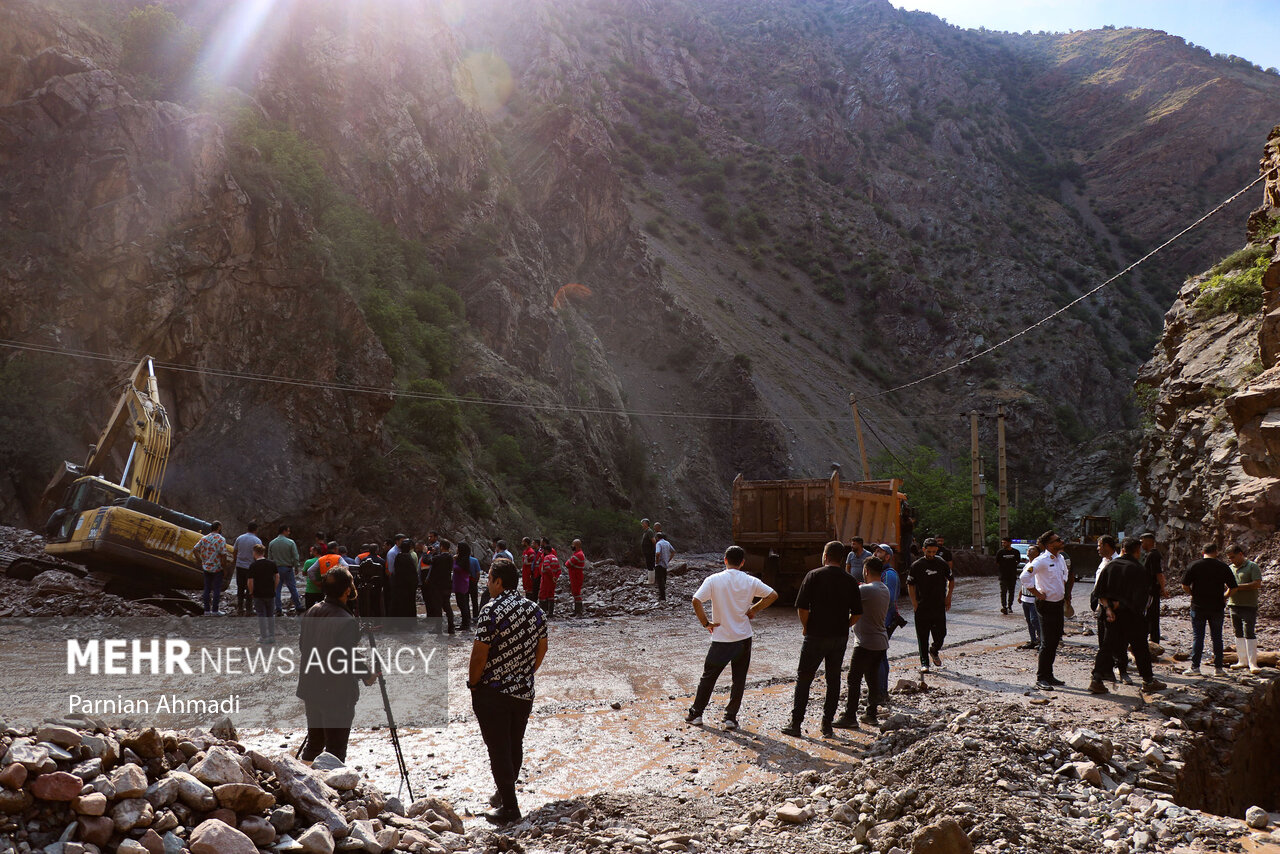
{"x": 415, "y": 395}
{"x": 1042, "y": 321}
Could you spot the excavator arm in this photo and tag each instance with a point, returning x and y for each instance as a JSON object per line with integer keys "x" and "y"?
{"x": 140, "y": 419}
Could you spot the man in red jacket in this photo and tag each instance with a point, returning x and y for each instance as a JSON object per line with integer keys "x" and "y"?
{"x": 529, "y": 556}
{"x": 577, "y": 566}
{"x": 549, "y": 570}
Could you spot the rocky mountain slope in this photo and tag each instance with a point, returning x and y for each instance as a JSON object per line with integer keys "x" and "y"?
{"x": 1208, "y": 463}
{"x": 765, "y": 206}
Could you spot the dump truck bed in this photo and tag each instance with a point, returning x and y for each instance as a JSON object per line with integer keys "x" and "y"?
{"x": 784, "y": 524}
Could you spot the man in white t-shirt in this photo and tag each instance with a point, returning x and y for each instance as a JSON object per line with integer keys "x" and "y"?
{"x": 1049, "y": 574}
{"x": 735, "y": 598}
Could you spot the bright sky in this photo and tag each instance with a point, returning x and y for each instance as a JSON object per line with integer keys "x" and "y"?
{"x": 1248, "y": 28}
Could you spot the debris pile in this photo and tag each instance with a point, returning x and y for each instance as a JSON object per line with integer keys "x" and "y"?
{"x": 68, "y": 789}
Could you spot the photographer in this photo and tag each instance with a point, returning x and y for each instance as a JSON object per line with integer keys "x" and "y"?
{"x": 329, "y": 668}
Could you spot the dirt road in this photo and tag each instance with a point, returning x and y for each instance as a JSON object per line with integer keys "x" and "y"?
{"x": 648, "y": 666}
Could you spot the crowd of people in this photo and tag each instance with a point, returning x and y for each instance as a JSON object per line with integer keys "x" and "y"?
{"x": 855, "y": 592}
{"x": 390, "y": 577}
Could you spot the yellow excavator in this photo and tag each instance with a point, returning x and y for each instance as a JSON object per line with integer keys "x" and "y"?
{"x": 119, "y": 527}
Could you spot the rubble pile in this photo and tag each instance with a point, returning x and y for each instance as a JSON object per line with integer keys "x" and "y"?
{"x": 67, "y": 789}
{"x": 611, "y": 589}
{"x": 55, "y": 593}
{"x": 941, "y": 779}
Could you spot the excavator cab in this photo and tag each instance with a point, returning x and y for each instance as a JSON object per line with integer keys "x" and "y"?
{"x": 87, "y": 493}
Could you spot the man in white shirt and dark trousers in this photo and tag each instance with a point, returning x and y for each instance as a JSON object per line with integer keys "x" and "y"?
{"x": 1049, "y": 572}
{"x": 662, "y": 552}
{"x": 735, "y": 598}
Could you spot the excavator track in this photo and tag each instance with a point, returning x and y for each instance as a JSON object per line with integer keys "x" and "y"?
{"x": 25, "y": 567}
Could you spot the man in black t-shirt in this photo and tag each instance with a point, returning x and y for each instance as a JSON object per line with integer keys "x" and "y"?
{"x": 261, "y": 577}
{"x": 1007, "y": 560}
{"x": 1154, "y": 563}
{"x": 1208, "y": 580}
{"x": 930, "y": 584}
{"x": 943, "y": 551}
{"x": 828, "y": 604}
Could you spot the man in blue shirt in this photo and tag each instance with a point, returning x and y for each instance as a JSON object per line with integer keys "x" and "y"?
{"x": 857, "y": 556}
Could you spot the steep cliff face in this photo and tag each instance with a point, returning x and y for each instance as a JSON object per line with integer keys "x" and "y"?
{"x": 126, "y": 234}
{"x": 1210, "y": 461}
{"x": 574, "y": 229}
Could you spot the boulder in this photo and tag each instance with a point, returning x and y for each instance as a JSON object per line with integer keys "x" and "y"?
{"x": 343, "y": 779}
{"x": 316, "y": 840}
{"x": 152, "y": 841}
{"x": 94, "y": 803}
{"x": 163, "y": 792}
{"x": 30, "y": 755}
{"x": 259, "y": 830}
{"x": 243, "y": 797}
{"x": 945, "y": 837}
{"x": 63, "y": 736}
{"x": 440, "y": 807}
{"x": 308, "y": 793}
{"x": 221, "y": 765}
{"x": 95, "y": 829}
{"x": 148, "y": 744}
{"x": 129, "y": 781}
{"x": 215, "y": 837}
{"x": 326, "y": 761}
{"x": 362, "y": 832}
{"x": 13, "y": 776}
{"x": 192, "y": 792}
{"x": 1094, "y": 745}
{"x": 14, "y": 800}
{"x": 1257, "y": 818}
{"x": 792, "y": 814}
{"x": 58, "y": 786}
{"x": 131, "y": 813}
{"x": 88, "y": 769}
{"x": 283, "y": 818}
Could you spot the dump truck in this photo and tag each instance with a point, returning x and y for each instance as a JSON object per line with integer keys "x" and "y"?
{"x": 118, "y": 526}
{"x": 784, "y": 524}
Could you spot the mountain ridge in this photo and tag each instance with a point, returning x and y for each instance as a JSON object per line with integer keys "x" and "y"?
{"x": 742, "y": 188}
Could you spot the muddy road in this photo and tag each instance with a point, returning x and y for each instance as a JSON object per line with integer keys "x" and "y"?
{"x": 613, "y": 692}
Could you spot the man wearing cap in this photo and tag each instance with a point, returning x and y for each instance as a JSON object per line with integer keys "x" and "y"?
{"x": 930, "y": 585}
{"x": 1154, "y": 563}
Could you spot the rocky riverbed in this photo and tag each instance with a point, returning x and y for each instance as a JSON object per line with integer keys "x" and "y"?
{"x": 969, "y": 758}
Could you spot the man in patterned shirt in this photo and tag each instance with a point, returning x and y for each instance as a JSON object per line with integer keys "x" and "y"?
{"x": 511, "y": 640}
{"x": 210, "y": 552}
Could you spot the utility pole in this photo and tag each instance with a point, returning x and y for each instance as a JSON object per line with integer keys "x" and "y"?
{"x": 973, "y": 468}
{"x": 1002, "y": 473}
{"x": 862, "y": 448}
{"x": 982, "y": 505}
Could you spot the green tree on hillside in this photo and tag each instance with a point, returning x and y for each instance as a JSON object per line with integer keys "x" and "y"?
{"x": 160, "y": 49}
{"x": 942, "y": 499}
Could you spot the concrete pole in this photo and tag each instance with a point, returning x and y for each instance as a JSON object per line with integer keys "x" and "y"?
{"x": 973, "y": 467}
{"x": 1002, "y": 473}
{"x": 862, "y": 448}
{"x": 982, "y": 505}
